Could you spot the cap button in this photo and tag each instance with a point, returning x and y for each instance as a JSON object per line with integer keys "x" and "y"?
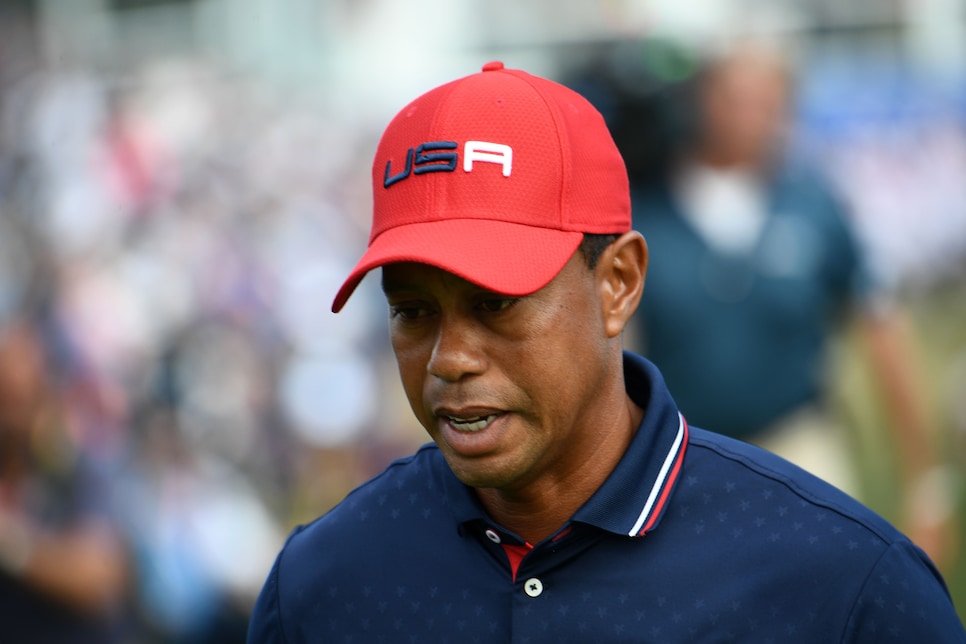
{"x": 493, "y": 66}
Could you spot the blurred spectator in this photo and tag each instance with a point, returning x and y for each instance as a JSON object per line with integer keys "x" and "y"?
{"x": 63, "y": 563}
{"x": 175, "y": 230}
{"x": 199, "y": 536}
{"x": 753, "y": 271}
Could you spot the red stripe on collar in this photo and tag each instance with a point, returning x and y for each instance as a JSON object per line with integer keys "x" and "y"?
{"x": 664, "y": 483}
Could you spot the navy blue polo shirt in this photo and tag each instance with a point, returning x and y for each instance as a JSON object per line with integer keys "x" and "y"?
{"x": 693, "y": 537}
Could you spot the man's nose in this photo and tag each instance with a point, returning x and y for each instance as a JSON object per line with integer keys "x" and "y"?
{"x": 458, "y": 350}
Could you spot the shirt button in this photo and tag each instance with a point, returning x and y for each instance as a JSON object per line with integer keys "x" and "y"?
{"x": 533, "y": 587}
{"x": 493, "y": 536}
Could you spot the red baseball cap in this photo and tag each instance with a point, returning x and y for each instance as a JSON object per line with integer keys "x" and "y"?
{"x": 493, "y": 177}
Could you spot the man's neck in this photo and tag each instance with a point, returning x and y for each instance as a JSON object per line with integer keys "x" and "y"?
{"x": 540, "y": 508}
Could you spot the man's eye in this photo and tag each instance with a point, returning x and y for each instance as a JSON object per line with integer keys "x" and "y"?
{"x": 408, "y": 312}
{"x": 496, "y": 305}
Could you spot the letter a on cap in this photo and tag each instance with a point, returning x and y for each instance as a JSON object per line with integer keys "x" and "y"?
{"x": 488, "y": 152}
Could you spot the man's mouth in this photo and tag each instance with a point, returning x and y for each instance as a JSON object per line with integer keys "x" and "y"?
{"x": 472, "y": 424}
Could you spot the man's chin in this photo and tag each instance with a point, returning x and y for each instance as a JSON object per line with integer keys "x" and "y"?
{"x": 480, "y": 472}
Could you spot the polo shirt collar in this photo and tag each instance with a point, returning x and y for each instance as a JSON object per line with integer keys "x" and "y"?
{"x": 633, "y": 498}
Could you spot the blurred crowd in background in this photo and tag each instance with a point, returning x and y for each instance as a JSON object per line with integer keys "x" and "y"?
{"x": 175, "y": 394}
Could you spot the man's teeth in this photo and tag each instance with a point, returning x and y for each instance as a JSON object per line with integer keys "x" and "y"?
{"x": 474, "y": 424}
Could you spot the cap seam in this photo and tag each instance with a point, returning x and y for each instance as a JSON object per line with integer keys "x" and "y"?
{"x": 557, "y": 119}
{"x": 435, "y": 183}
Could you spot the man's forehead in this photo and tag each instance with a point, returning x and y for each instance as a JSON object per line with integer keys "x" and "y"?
{"x": 417, "y": 276}
{"x": 401, "y": 276}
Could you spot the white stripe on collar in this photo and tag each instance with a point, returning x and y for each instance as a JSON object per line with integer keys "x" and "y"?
{"x": 661, "y": 478}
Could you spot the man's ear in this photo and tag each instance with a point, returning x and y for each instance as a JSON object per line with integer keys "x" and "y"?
{"x": 620, "y": 273}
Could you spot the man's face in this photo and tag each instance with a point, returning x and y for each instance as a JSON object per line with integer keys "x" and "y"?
{"x": 505, "y": 386}
{"x": 745, "y": 107}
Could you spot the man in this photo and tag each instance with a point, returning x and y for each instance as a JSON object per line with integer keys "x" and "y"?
{"x": 564, "y": 497}
{"x": 754, "y": 270}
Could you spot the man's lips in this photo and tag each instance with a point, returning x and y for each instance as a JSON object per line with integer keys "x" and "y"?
{"x": 474, "y": 424}
{"x": 472, "y": 432}
{"x": 468, "y": 420}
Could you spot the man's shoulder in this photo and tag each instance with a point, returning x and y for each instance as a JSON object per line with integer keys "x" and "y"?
{"x": 774, "y": 491}
{"x": 405, "y": 486}
{"x": 387, "y": 528}
{"x": 740, "y": 508}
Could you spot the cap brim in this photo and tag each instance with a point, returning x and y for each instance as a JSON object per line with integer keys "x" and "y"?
{"x": 507, "y": 258}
